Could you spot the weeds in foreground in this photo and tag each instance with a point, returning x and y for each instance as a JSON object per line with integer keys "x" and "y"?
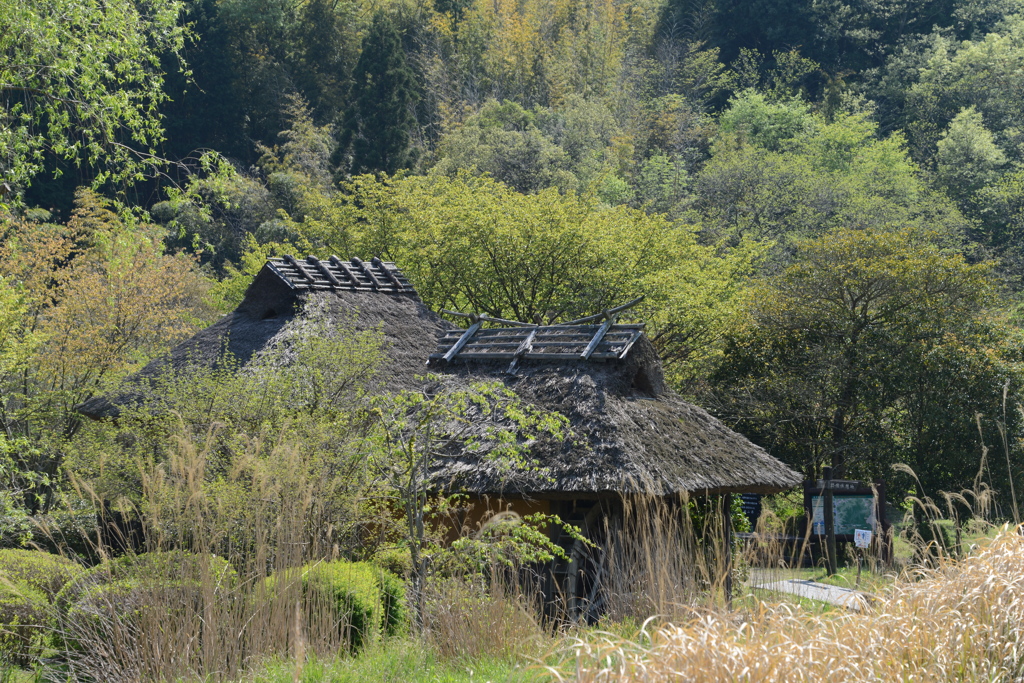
{"x": 963, "y": 620}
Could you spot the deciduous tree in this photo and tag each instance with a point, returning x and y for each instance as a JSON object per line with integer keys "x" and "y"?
{"x": 850, "y": 352}
{"x": 83, "y": 81}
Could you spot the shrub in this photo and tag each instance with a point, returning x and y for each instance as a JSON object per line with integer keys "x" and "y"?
{"x": 173, "y": 567}
{"x": 397, "y": 561}
{"x": 67, "y": 532}
{"x": 364, "y": 600}
{"x": 25, "y": 622}
{"x": 41, "y": 570}
{"x": 116, "y": 595}
{"x": 395, "y": 610}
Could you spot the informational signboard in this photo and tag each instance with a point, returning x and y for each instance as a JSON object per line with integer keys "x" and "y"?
{"x": 849, "y": 512}
{"x": 861, "y": 538}
{"x": 855, "y": 505}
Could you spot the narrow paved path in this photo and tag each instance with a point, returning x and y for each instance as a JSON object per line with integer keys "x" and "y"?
{"x": 823, "y": 592}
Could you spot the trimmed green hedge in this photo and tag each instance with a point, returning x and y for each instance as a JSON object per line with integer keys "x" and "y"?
{"x": 396, "y": 610}
{"x": 121, "y": 589}
{"x": 398, "y": 561}
{"x": 366, "y": 600}
{"x": 174, "y": 567}
{"x": 25, "y": 622}
{"x": 41, "y": 570}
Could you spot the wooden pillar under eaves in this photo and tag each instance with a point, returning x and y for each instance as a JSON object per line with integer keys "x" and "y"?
{"x": 726, "y": 500}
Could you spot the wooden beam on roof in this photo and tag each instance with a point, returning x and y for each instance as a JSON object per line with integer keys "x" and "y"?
{"x": 292, "y": 261}
{"x": 277, "y": 271}
{"x": 629, "y": 344}
{"x": 466, "y": 336}
{"x": 489, "y": 319}
{"x": 388, "y": 274}
{"x": 598, "y": 336}
{"x": 325, "y": 271}
{"x": 345, "y": 268}
{"x": 603, "y": 314}
{"x": 367, "y": 271}
{"x": 525, "y": 347}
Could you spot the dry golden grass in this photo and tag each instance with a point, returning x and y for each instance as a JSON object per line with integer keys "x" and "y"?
{"x": 465, "y": 620}
{"x": 963, "y": 621}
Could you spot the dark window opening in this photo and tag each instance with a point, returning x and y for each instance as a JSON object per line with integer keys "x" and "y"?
{"x": 641, "y": 382}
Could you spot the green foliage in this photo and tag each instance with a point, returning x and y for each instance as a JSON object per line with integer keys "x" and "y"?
{"x": 366, "y": 601}
{"x": 826, "y": 175}
{"x": 662, "y": 184}
{"x": 531, "y": 150}
{"x": 931, "y": 81}
{"x": 503, "y": 141}
{"x": 401, "y": 659}
{"x": 114, "y": 597}
{"x": 414, "y": 432}
{"x": 394, "y": 560}
{"x": 871, "y": 348}
{"x": 177, "y": 568}
{"x": 25, "y": 623}
{"x": 213, "y": 437}
{"x": 756, "y": 121}
{"x": 212, "y": 214}
{"x": 85, "y": 88}
{"x": 42, "y": 571}
{"x": 705, "y": 511}
{"x": 395, "y": 610}
{"x": 380, "y": 119}
{"x": 120, "y": 589}
{"x": 473, "y": 244}
{"x": 507, "y": 541}
{"x": 967, "y": 157}
{"x": 87, "y": 303}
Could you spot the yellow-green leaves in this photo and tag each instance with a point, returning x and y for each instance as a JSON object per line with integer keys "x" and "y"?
{"x": 471, "y": 244}
{"x": 82, "y": 81}
{"x": 853, "y": 281}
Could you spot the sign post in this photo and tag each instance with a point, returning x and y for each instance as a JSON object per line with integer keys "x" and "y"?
{"x": 837, "y": 508}
{"x": 830, "y": 523}
{"x": 861, "y": 539}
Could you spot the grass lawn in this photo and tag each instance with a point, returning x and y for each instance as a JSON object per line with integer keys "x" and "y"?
{"x": 399, "y": 661}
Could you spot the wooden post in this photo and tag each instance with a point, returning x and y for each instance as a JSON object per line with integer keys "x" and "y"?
{"x": 727, "y": 548}
{"x": 830, "y": 522}
{"x": 882, "y": 525}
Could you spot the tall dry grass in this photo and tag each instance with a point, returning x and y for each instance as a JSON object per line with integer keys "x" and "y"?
{"x": 265, "y": 515}
{"x": 963, "y": 620}
{"x": 467, "y": 619}
{"x": 661, "y": 555}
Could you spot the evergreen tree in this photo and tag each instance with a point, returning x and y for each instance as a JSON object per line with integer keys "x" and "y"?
{"x": 326, "y": 53}
{"x": 378, "y": 124}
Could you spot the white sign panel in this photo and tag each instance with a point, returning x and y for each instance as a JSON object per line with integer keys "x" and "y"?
{"x": 861, "y": 538}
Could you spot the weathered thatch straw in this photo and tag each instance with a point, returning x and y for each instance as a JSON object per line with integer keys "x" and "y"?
{"x": 277, "y": 295}
{"x": 632, "y": 434}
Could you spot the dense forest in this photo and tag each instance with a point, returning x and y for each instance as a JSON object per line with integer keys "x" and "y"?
{"x": 822, "y": 202}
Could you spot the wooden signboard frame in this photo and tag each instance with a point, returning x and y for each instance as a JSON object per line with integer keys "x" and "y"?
{"x": 845, "y": 487}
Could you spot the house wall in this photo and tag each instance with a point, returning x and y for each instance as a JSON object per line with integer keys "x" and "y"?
{"x": 479, "y": 509}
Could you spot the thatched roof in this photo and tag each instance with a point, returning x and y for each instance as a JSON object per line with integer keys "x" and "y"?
{"x": 631, "y": 433}
{"x": 377, "y": 291}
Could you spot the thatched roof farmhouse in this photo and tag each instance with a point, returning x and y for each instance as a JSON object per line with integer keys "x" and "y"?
{"x": 282, "y": 290}
{"x": 633, "y": 433}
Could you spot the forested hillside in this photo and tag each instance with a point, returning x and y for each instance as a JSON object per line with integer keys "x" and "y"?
{"x": 822, "y": 202}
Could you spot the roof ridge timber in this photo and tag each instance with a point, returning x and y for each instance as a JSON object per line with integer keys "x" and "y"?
{"x": 584, "y": 339}
{"x": 335, "y": 274}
